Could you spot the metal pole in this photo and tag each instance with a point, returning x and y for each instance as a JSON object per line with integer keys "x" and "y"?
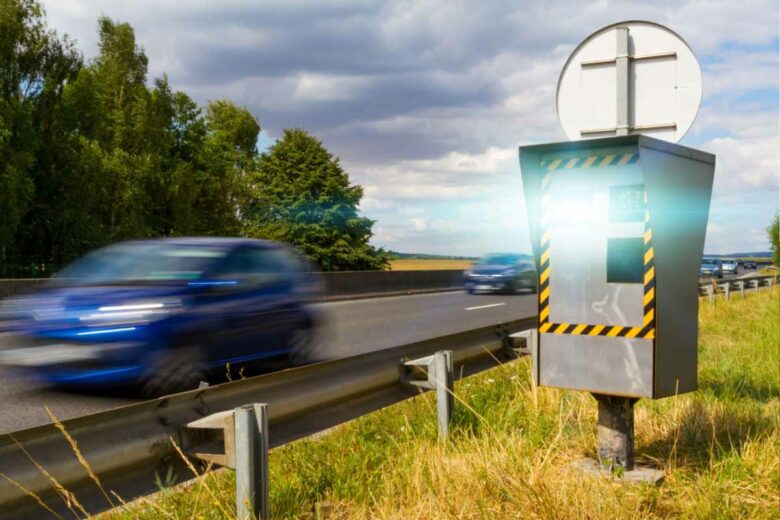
{"x": 251, "y": 456}
{"x": 445, "y": 399}
{"x": 616, "y": 431}
{"x": 621, "y": 64}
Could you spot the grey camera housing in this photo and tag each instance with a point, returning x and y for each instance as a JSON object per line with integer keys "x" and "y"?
{"x": 617, "y": 227}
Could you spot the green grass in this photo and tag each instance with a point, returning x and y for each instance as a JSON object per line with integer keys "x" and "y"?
{"x": 511, "y": 445}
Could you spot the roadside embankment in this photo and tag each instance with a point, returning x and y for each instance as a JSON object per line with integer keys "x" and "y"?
{"x": 509, "y": 452}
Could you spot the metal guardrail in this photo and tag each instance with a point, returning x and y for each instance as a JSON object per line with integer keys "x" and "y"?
{"x": 337, "y": 285}
{"x": 128, "y": 447}
{"x": 711, "y": 288}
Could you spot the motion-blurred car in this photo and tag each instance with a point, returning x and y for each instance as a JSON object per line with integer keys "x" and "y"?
{"x": 729, "y": 266}
{"x": 750, "y": 265}
{"x": 711, "y": 268}
{"x": 501, "y": 272}
{"x": 162, "y": 314}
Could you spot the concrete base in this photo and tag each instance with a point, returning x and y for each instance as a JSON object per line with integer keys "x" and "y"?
{"x": 638, "y": 475}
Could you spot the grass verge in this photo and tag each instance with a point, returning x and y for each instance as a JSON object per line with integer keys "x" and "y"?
{"x": 509, "y": 452}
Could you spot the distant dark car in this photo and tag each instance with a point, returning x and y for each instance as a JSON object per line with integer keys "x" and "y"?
{"x": 711, "y": 268}
{"x": 162, "y": 314}
{"x": 729, "y": 266}
{"x": 502, "y": 272}
{"x": 750, "y": 265}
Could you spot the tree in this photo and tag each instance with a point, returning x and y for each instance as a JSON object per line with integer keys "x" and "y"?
{"x": 34, "y": 67}
{"x": 302, "y": 195}
{"x": 95, "y": 190}
{"x": 773, "y": 230}
{"x": 94, "y": 153}
{"x": 226, "y": 161}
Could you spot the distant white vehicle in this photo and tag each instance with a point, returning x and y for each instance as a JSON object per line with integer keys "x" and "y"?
{"x": 729, "y": 266}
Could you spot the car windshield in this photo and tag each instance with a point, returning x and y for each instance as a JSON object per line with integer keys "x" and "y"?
{"x": 141, "y": 261}
{"x": 709, "y": 263}
{"x": 499, "y": 259}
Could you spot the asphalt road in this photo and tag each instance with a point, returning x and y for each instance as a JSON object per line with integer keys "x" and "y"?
{"x": 741, "y": 273}
{"x": 351, "y": 327}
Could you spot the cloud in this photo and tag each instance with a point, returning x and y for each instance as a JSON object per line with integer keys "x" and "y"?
{"x": 419, "y": 224}
{"x": 426, "y": 102}
{"x": 746, "y": 164}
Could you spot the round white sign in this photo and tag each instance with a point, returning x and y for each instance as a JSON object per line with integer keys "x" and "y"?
{"x": 630, "y": 78}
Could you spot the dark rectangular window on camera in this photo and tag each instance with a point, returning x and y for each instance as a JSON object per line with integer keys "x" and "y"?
{"x": 625, "y": 260}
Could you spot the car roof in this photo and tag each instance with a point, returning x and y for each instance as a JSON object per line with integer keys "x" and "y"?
{"x": 230, "y": 242}
{"x": 520, "y": 255}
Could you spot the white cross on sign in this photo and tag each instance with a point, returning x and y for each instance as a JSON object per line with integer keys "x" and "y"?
{"x": 625, "y": 64}
{"x": 641, "y": 79}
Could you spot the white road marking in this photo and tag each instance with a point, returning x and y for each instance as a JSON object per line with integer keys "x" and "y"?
{"x": 375, "y": 299}
{"x": 484, "y": 306}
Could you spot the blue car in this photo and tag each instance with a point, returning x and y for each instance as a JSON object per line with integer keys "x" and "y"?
{"x": 163, "y": 314}
{"x": 501, "y": 272}
{"x": 711, "y": 268}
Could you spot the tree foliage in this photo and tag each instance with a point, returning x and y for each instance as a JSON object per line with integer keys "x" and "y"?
{"x": 95, "y": 152}
{"x": 35, "y": 66}
{"x": 303, "y": 196}
{"x": 773, "y": 231}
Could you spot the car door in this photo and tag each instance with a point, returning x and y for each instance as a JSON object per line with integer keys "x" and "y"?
{"x": 258, "y": 312}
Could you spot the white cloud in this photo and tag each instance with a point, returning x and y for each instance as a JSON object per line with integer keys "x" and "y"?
{"x": 322, "y": 88}
{"x": 419, "y": 224}
{"x": 746, "y": 163}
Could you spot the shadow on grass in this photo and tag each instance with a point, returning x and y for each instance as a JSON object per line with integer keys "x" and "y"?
{"x": 705, "y": 436}
{"x": 740, "y": 389}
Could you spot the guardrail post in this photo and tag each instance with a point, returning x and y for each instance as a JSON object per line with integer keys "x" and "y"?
{"x": 251, "y": 427}
{"x": 440, "y": 377}
{"x": 531, "y": 348}
{"x": 726, "y": 289}
{"x": 244, "y": 448}
{"x": 741, "y": 286}
{"x": 710, "y": 293}
{"x": 755, "y": 284}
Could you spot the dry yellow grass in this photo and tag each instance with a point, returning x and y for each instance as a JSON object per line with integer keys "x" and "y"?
{"x": 426, "y": 265}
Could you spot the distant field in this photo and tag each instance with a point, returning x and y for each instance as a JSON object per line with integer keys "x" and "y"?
{"x": 424, "y": 265}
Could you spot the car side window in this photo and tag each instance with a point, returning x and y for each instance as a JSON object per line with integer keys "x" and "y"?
{"x": 525, "y": 266}
{"x": 256, "y": 266}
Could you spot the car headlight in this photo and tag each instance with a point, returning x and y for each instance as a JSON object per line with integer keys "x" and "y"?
{"x": 132, "y": 312}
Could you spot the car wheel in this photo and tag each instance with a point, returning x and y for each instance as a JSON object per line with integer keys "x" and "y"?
{"x": 173, "y": 370}
{"x": 470, "y": 291}
{"x": 301, "y": 346}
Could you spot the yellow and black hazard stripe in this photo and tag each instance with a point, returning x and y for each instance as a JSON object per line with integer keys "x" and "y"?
{"x": 590, "y": 161}
{"x": 647, "y": 329}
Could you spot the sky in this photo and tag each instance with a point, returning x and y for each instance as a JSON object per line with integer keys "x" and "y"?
{"x": 426, "y": 102}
